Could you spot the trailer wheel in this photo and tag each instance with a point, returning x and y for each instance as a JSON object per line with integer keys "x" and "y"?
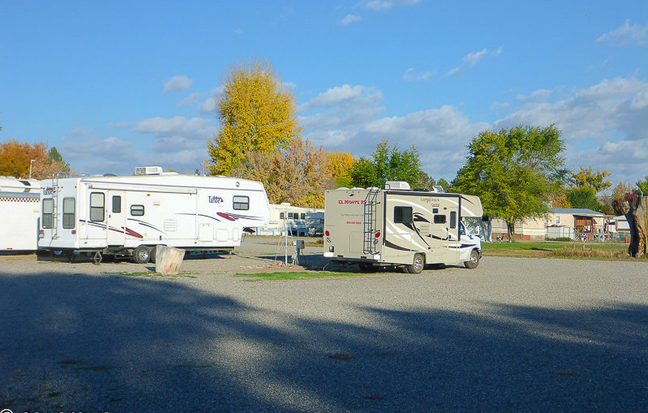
{"x": 417, "y": 264}
{"x": 473, "y": 262}
{"x": 142, "y": 254}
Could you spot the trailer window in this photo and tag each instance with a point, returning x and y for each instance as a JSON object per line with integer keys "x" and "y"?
{"x": 137, "y": 210}
{"x": 402, "y": 215}
{"x": 241, "y": 203}
{"x": 453, "y": 219}
{"x": 116, "y": 204}
{"x": 48, "y": 213}
{"x": 97, "y": 203}
{"x": 68, "y": 213}
{"x": 439, "y": 219}
{"x": 282, "y": 216}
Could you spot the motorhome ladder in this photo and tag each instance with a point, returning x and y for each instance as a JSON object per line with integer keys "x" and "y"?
{"x": 55, "y": 201}
{"x": 370, "y": 205}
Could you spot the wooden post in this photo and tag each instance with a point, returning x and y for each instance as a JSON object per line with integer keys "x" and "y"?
{"x": 168, "y": 260}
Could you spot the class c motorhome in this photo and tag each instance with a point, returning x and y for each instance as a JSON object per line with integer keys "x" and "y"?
{"x": 129, "y": 216}
{"x": 19, "y": 214}
{"x": 396, "y": 226}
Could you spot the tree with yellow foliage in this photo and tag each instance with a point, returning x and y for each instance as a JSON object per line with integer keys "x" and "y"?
{"x": 340, "y": 166}
{"x": 257, "y": 114}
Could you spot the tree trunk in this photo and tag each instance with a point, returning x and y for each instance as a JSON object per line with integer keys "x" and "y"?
{"x": 510, "y": 226}
{"x": 638, "y": 222}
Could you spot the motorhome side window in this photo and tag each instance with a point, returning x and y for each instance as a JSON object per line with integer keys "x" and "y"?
{"x": 48, "y": 213}
{"x": 137, "y": 210}
{"x": 439, "y": 219}
{"x": 68, "y": 213}
{"x": 453, "y": 219}
{"x": 241, "y": 203}
{"x": 97, "y": 203}
{"x": 402, "y": 215}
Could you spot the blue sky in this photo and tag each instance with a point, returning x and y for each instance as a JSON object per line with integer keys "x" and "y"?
{"x": 115, "y": 85}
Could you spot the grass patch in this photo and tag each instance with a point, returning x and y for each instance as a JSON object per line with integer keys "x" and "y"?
{"x": 541, "y": 249}
{"x": 296, "y": 275}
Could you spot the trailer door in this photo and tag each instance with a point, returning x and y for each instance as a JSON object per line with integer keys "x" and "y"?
{"x": 116, "y": 218}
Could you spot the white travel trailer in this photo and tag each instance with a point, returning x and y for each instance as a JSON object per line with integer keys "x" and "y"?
{"x": 130, "y": 215}
{"x": 19, "y": 214}
{"x": 400, "y": 227}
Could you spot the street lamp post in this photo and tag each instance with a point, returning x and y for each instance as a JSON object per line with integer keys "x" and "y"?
{"x": 30, "y": 167}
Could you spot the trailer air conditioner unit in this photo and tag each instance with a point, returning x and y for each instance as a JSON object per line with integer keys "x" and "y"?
{"x": 148, "y": 170}
{"x": 397, "y": 185}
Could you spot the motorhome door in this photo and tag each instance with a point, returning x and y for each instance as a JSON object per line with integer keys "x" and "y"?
{"x": 115, "y": 218}
{"x": 452, "y": 228}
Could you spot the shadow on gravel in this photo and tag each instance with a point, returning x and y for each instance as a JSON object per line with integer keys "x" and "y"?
{"x": 120, "y": 344}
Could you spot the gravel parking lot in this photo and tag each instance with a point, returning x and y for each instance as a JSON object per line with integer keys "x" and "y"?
{"x": 515, "y": 334}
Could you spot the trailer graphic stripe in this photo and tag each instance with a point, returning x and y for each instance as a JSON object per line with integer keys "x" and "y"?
{"x": 122, "y": 230}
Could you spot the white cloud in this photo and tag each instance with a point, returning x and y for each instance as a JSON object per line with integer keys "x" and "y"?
{"x": 189, "y": 100}
{"x": 350, "y": 18}
{"x": 474, "y": 57}
{"x": 411, "y": 76}
{"x": 199, "y": 128}
{"x": 80, "y": 132}
{"x": 384, "y": 5}
{"x": 454, "y": 72}
{"x": 626, "y": 35}
{"x": 538, "y": 95}
{"x": 345, "y": 93}
{"x": 177, "y": 84}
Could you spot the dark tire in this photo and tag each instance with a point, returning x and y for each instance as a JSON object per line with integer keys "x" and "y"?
{"x": 142, "y": 254}
{"x": 418, "y": 263}
{"x": 153, "y": 252}
{"x": 364, "y": 267}
{"x": 473, "y": 262}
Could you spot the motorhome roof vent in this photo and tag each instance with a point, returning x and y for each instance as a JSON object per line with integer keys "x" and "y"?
{"x": 148, "y": 170}
{"x": 397, "y": 185}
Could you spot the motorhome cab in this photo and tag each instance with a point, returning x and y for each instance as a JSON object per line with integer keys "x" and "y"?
{"x": 131, "y": 215}
{"x": 396, "y": 226}
{"x": 19, "y": 214}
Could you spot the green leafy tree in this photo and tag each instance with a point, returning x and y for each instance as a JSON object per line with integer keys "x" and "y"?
{"x": 643, "y": 186}
{"x": 513, "y": 171}
{"x": 583, "y": 197}
{"x": 387, "y": 164}
{"x": 257, "y": 114}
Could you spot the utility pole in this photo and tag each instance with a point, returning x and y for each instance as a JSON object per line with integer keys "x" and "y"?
{"x": 30, "y": 167}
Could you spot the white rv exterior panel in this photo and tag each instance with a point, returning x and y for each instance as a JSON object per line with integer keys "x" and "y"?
{"x": 19, "y": 214}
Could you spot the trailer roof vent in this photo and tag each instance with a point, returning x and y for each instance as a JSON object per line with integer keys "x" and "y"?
{"x": 397, "y": 185}
{"x": 148, "y": 170}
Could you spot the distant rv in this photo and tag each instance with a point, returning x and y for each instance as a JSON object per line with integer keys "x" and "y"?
{"x": 19, "y": 214}
{"x": 128, "y": 216}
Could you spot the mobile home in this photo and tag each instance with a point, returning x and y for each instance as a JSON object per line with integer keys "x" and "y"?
{"x": 396, "y": 226}
{"x": 131, "y": 215}
{"x": 19, "y": 214}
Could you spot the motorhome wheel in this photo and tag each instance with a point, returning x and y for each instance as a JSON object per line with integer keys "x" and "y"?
{"x": 142, "y": 254}
{"x": 417, "y": 264}
{"x": 474, "y": 260}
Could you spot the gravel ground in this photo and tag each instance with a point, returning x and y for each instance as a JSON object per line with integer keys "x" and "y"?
{"x": 515, "y": 334}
